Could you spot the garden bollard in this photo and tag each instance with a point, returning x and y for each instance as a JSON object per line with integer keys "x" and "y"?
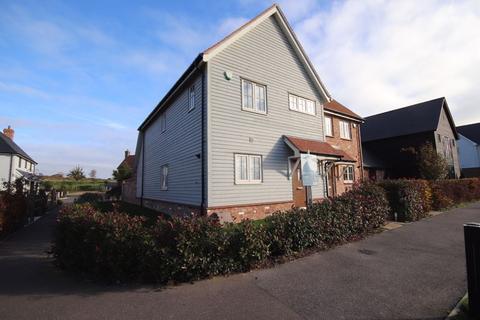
{"x": 472, "y": 253}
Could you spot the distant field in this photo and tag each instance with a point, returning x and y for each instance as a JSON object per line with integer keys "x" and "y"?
{"x": 81, "y": 185}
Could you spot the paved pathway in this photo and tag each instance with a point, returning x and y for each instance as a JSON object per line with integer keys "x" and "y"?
{"x": 413, "y": 272}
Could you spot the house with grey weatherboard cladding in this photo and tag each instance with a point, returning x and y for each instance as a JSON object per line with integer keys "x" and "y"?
{"x": 469, "y": 149}
{"x": 227, "y": 138}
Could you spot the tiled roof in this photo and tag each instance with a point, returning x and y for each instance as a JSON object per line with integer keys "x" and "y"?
{"x": 420, "y": 117}
{"x": 7, "y": 145}
{"x": 337, "y": 107}
{"x": 129, "y": 161}
{"x": 317, "y": 147}
{"x": 471, "y": 131}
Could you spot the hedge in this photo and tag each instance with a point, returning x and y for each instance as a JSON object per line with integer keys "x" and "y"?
{"x": 411, "y": 200}
{"x": 115, "y": 246}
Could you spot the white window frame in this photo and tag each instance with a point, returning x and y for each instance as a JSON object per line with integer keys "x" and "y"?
{"x": 254, "y": 107}
{"x": 163, "y": 122}
{"x": 345, "y": 125}
{"x": 330, "y": 121}
{"x": 300, "y": 104}
{"x": 349, "y": 174}
{"x": 191, "y": 98}
{"x": 250, "y": 158}
{"x": 164, "y": 177}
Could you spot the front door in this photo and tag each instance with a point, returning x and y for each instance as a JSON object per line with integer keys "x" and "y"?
{"x": 299, "y": 191}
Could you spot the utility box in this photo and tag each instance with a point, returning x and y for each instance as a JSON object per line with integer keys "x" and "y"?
{"x": 472, "y": 253}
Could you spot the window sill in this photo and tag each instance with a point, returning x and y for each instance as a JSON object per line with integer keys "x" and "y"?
{"x": 248, "y": 182}
{"x": 256, "y": 112}
{"x": 346, "y": 139}
{"x": 306, "y": 113}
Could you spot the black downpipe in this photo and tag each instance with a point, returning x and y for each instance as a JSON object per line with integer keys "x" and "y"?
{"x": 202, "y": 205}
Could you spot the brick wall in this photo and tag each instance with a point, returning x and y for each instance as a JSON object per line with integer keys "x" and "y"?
{"x": 351, "y": 147}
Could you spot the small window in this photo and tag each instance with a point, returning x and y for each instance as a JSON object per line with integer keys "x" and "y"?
{"x": 163, "y": 122}
{"x": 191, "y": 98}
{"x": 328, "y": 127}
{"x": 300, "y": 104}
{"x": 26, "y": 164}
{"x": 19, "y": 162}
{"x": 254, "y": 97}
{"x": 30, "y": 166}
{"x": 345, "y": 130}
{"x": 348, "y": 174}
{"x": 248, "y": 169}
{"x": 164, "y": 177}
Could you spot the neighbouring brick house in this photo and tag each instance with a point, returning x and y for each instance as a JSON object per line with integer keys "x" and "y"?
{"x": 129, "y": 185}
{"x": 342, "y": 131}
{"x": 228, "y": 137}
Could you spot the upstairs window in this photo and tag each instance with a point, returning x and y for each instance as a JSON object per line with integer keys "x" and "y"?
{"x": 163, "y": 122}
{"x": 248, "y": 169}
{"x": 30, "y": 166}
{"x": 345, "y": 132}
{"x": 191, "y": 98}
{"x": 254, "y": 97}
{"x": 300, "y": 104}
{"x": 164, "y": 177}
{"x": 19, "y": 162}
{"x": 328, "y": 127}
{"x": 348, "y": 174}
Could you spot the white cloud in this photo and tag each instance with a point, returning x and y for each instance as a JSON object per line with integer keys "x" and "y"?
{"x": 230, "y": 24}
{"x": 380, "y": 55}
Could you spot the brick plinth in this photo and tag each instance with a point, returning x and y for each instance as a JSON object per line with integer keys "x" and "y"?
{"x": 253, "y": 212}
{"x": 173, "y": 209}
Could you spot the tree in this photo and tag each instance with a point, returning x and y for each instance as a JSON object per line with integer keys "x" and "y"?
{"x": 77, "y": 173}
{"x": 431, "y": 165}
{"x": 93, "y": 174}
{"x": 122, "y": 173}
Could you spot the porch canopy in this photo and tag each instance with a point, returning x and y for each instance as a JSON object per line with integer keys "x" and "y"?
{"x": 319, "y": 148}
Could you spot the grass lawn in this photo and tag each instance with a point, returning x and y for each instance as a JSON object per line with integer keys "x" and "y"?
{"x": 131, "y": 209}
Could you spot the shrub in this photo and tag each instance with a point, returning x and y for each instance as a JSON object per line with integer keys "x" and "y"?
{"x": 446, "y": 193}
{"x": 89, "y": 197}
{"x": 115, "y": 246}
{"x": 409, "y": 199}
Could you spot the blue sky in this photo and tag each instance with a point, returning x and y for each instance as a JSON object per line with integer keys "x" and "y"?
{"x": 78, "y": 77}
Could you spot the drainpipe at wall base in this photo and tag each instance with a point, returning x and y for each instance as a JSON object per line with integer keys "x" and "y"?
{"x": 203, "y": 208}
{"x": 143, "y": 167}
{"x": 361, "y": 152}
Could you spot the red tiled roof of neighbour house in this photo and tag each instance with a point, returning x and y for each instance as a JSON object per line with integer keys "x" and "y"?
{"x": 315, "y": 147}
{"x": 337, "y": 107}
{"x": 129, "y": 161}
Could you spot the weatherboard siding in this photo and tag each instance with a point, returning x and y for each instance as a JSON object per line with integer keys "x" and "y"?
{"x": 263, "y": 55}
{"x": 469, "y": 153}
{"x": 445, "y": 129}
{"x": 179, "y": 147}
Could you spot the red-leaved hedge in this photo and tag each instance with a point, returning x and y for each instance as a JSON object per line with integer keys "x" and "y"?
{"x": 114, "y": 246}
{"x": 411, "y": 200}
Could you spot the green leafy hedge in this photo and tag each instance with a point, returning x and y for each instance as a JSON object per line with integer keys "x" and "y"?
{"x": 411, "y": 200}
{"x": 115, "y": 246}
